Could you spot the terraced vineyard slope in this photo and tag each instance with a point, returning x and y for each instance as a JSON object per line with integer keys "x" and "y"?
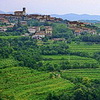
{"x": 81, "y": 73}
{"x": 22, "y": 83}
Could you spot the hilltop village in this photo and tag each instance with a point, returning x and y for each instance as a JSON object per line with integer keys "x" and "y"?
{"x": 38, "y": 32}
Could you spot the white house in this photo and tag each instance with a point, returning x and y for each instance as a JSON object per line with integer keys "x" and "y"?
{"x": 39, "y": 35}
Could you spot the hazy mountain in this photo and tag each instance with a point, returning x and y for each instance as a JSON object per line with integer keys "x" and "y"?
{"x": 77, "y": 17}
{"x": 90, "y": 21}
{"x": 2, "y": 12}
{"x": 9, "y": 13}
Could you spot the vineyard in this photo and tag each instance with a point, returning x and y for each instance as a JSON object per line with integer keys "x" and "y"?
{"x": 73, "y": 61}
{"x": 90, "y": 73}
{"x": 22, "y": 83}
{"x": 87, "y": 48}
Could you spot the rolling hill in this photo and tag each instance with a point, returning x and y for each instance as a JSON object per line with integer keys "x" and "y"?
{"x": 75, "y": 17}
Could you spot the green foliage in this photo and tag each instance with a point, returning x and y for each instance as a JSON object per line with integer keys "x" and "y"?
{"x": 97, "y": 55}
{"x": 90, "y": 38}
{"x": 10, "y": 33}
{"x": 18, "y": 29}
{"x": 5, "y": 52}
{"x": 85, "y": 93}
{"x": 60, "y": 48}
{"x": 34, "y": 22}
{"x": 23, "y": 49}
{"x": 28, "y": 57}
{"x": 52, "y": 97}
{"x": 3, "y": 24}
{"x": 61, "y": 31}
{"x": 62, "y": 62}
{"x": 4, "y": 63}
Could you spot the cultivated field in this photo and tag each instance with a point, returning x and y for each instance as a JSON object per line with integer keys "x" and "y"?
{"x": 85, "y": 48}
{"x": 90, "y": 73}
{"x": 23, "y": 83}
{"x": 74, "y": 61}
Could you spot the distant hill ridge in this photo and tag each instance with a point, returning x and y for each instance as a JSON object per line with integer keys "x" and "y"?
{"x": 71, "y": 16}
{"x": 76, "y": 17}
{"x": 2, "y": 12}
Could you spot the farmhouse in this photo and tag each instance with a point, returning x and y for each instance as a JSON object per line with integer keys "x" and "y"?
{"x": 78, "y": 31}
{"x": 39, "y": 35}
{"x": 3, "y": 29}
{"x": 42, "y": 19}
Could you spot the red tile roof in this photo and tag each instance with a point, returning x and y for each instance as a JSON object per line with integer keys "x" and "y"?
{"x": 40, "y": 33}
{"x": 18, "y": 12}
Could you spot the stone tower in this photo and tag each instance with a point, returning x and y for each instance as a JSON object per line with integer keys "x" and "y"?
{"x": 24, "y": 11}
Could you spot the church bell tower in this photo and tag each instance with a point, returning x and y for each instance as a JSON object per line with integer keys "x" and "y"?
{"x": 24, "y": 11}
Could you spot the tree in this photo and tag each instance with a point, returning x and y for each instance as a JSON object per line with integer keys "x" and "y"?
{"x": 51, "y": 96}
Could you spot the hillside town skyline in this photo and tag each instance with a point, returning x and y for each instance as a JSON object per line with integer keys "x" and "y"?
{"x": 53, "y": 6}
{"x": 22, "y": 18}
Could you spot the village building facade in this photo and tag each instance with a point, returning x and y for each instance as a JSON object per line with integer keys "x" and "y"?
{"x": 48, "y": 30}
{"x": 39, "y": 35}
{"x": 33, "y": 29}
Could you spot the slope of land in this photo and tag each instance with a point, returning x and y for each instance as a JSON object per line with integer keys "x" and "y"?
{"x": 22, "y": 83}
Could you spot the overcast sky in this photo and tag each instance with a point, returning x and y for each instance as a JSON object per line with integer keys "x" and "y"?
{"x": 53, "y": 6}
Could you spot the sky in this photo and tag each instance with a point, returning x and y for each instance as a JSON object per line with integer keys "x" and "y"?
{"x": 91, "y": 7}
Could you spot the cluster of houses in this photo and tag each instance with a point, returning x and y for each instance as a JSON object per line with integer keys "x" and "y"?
{"x": 4, "y": 28}
{"x": 36, "y": 32}
{"x": 39, "y": 33}
{"x": 80, "y": 27}
{"x": 41, "y": 18}
{"x": 23, "y": 17}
